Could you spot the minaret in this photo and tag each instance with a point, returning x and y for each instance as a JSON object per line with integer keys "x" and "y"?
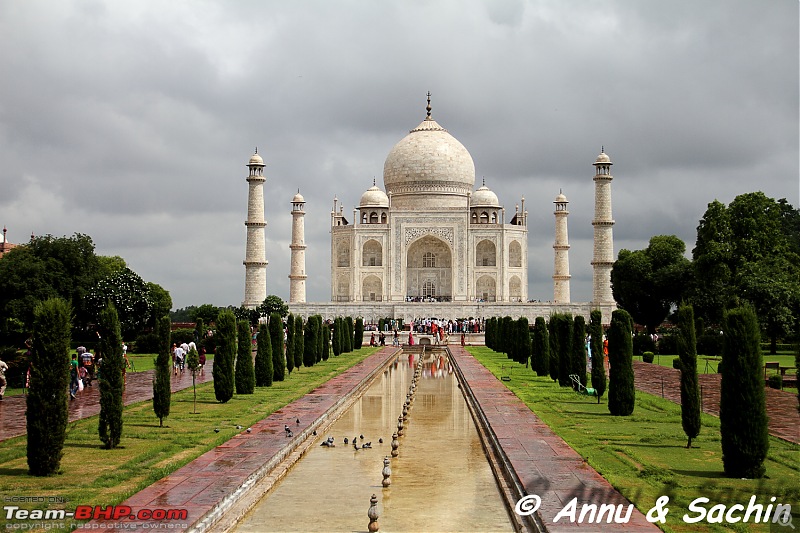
{"x": 297, "y": 275}
{"x": 603, "y": 258}
{"x": 255, "y": 261}
{"x": 561, "y": 268}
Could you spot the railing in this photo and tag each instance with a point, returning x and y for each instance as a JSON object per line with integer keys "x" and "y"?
{"x": 429, "y": 299}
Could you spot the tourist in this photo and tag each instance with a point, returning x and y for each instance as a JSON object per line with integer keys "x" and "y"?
{"x": 177, "y": 358}
{"x": 382, "y": 339}
{"x": 87, "y": 362}
{"x": 202, "y": 360}
{"x": 372, "y": 339}
{"x": 396, "y": 338}
{"x": 462, "y": 338}
{"x": 411, "y": 338}
{"x": 3, "y": 381}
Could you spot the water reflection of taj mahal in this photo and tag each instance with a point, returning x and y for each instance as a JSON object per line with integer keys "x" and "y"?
{"x": 430, "y": 245}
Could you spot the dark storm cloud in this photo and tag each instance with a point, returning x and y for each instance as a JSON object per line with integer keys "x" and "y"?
{"x": 133, "y": 122}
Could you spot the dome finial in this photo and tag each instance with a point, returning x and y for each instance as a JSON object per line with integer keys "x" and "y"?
{"x": 602, "y": 149}
{"x": 428, "y": 108}
{"x": 256, "y": 149}
{"x": 484, "y": 181}
{"x": 373, "y": 181}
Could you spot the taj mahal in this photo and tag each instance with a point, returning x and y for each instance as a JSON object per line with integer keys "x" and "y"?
{"x": 431, "y": 245}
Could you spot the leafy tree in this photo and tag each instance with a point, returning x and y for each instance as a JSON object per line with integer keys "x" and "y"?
{"x": 108, "y": 265}
{"x": 162, "y": 389}
{"x": 358, "y": 337}
{"x": 224, "y": 356}
{"x": 337, "y": 336}
{"x": 193, "y": 363}
{"x": 742, "y": 412}
{"x": 48, "y": 267}
{"x": 245, "y": 374}
{"x": 252, "y": 316}
{"x": 554, "y": 346}
{"x": 690, "y": 390}
{"x": 111, "y": 379}
{"x": 46, "y": 403}
{"x": 160, "y": 301}
{"x": 648, "y": 283}
{"x": 299, "y": 342}
{"x": 276, "y": 337}
{"x": 578, "y": 358}
{"x": 311, "y": 345}
{"x": 207, "y": 313}
{"x": 540, "y": 347}
{"x": 348, "y": 334}
{"x": 130, "y": 296}
{"x": 273, "y": 304}
{"x": 598, "y": 357}
{"x": 621, "y": 388}
{"x": 748, "y": 251}
{"x": 263, "y": 367}
{"x": 290, "y": 335}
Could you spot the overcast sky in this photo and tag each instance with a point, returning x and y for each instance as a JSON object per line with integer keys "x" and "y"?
{"x": 132, "y": 122}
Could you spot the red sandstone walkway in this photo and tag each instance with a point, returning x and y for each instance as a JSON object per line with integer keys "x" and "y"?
{"x": 139, "y": 388}
{"x": 784, "y": 419}
{"x": 545, "y": 465}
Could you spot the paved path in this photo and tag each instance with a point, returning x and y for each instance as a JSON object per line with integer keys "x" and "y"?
{"x": 784, "y": 419}
{"x": 545, "y": 465}
{"x": 139, "y": 387}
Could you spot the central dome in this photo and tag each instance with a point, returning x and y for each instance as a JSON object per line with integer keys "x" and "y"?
{"x": 429, "y": 168}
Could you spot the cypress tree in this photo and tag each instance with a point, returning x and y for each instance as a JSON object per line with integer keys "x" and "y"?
{"x": 310, "y": 342}
{"x": 540, "y": 347}
{"x": 690, "y": 391}
{"x": 299, "y": 341}
{"x": 621, "y": 387}
{"x": 358, "y": 338}
{"x": 554, "y": 346}
{"x": 523, "y": 343}
{"x": 245, "y": 373}
{"x": 162, "y": 388}
{"x": 263, "y": 368}
{"x": 742, "y": 411}
{"x": 199, "y": 327}
{"x": 327, "y": 329}
{"x": 47, "y": 411}
{"x": 348, "y": 335}
{"x": 598, "y": 357}
{"x": 111, "y": 380}
{"x": 506, "y": 336}
{"x": 564, "y": 333}
{"x": 579, "y": 349}
{"x": 290, "y": 336}
{"x": 337, "y": 335}
{"x": 224, "y": 356}
{"x": 276, "y": 339}
{"x": 488, "y": 331}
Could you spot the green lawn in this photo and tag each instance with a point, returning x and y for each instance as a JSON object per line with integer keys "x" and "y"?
{"x": 92, "y": 475}
{"x": 644, "y": 455}
{"x": 708, "y": 365}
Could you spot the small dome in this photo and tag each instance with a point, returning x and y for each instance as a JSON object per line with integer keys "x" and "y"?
{"x": 561, "y": 198}
{"x": 603, "y": 158}
{"x": 374, "y": 197}
{"x": 484, "y": 197}
{"x": 298, "y": 198}
{"x": 256, "y": 160}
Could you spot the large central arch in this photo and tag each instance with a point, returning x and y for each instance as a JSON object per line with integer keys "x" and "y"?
{"x": 429, "y": 269}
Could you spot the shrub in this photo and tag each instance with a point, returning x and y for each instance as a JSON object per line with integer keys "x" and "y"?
{"x": 245, "y": 373}
{"x": 162, "y": 389}
{"x": 263, "y": 366}
{"x": 182, "y": 335}
{"x": 776, "y": 382}
{"x": 690, "y": 389}
{"x": 648, "y": 357}
{"x": 709, "y": 344}
{"x": 742, "y": 412}
{"x": 111, "y": 381}
{"x": 598, "y": 357}
{"x": 676, "y": 363}
{"x": 667, "y": 346}
{"x": 146, "y": 343}
{"x": 224, "y": 358}
{"x": 46, "y": 408}
{"x": 621, "y": 388}
{"x": 642, "y": 342}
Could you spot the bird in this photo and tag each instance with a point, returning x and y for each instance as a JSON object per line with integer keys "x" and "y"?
{"x": 216, "y": 430}
{"x": 361, "y": 437}
{"x": 367, "y": 445}
{"x": 298, "y": 421}
{"x": 355, "y": 446}
{"x": 346, "y": 441}
{"x": 238, "y": 427}
{"x": 380, "y": 440}
{"x": 287, "y": 430}
{"x": 249, "y": 430}
{"x": 314, "y": 432}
